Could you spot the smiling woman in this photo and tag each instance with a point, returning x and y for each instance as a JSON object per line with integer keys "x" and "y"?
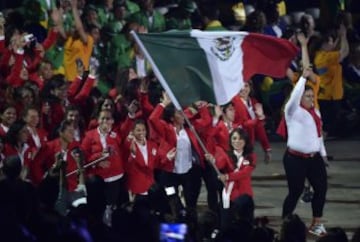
{"x": 305, "y": 154}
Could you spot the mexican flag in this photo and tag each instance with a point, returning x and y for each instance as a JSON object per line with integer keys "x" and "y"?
{"x": 212, "y": 66}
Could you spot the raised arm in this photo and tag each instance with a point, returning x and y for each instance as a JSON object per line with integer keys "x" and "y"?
{"x": 78, "y": 24}
{"x": 296, "y": 94}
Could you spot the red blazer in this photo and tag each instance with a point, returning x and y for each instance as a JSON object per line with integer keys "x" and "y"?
{"x": 2, "y": 45}
{"x": 140, "y": 176}
{"x": 167, "y": 135}
{"x": 13, "y": 79}
{"x": 222, "y": 134}
{"x": 242, "y": 115}
{"x": 27, "y": 159}
{"x": 42, "y": 136}
{"x": 79, "y": 91}
{"x": 52, "y": 121}
{"x": 46, "y": 158}
{"x": 9, "y": 150}
{"x": 242, "y": 177}
{"x": 254, "y": 127}
{"x": 92, "y": 147}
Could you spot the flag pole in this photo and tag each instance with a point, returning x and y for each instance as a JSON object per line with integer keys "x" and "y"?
{"x": 171, "y": 95}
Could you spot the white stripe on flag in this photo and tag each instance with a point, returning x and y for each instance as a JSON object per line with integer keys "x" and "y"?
{"x": 225, "y": 59}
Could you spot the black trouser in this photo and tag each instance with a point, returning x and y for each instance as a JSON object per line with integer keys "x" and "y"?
{"x": 116, "y": 192}
{"x": 296, "y": 170}
{"x": 190, "y": 181}
{"x": 241, "y": 209}
{"x": 213, "y": 187}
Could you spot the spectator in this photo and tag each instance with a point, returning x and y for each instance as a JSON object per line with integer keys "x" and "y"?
{"x": 327, "y": 64}
{"x": 149, "y": 17}
{"x": 78, "y": 45}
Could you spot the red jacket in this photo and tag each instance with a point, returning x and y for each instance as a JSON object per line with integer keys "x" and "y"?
{"x": 42, "y": 137}
{"x": 31, "y": 63}
{"x": 241, "y": 177}
{"x": 93, "y": 149}
{"x": 140, "y": 176}
{"x": 254, "y": 127}
{"x": 222, "y": 134}
{"x": 46, "y": 158}
{"x": 167, "y": 135}
{"x": 26, "y": 158}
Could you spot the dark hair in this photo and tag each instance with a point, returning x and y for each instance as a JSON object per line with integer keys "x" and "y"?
{"x": 131, "y": 90}
{"x": 293, "y": 229}
{"x": 248, "y": 149}
{"x": 63, "y": 125}
{"x": 14, "y": 130}
{"x": 140, "y": 121}
{"x": 99, "y": 104}
{"x": 12, "y": 167}
{"x": 75, "y": 108}
{"x": 5, "y": 107}
{"x": 308, "y": 87}
{"x": 55, "y": 82}
{"x": 169, "y": 113}
{"x": 335, "y": 234}
{"x": 26, "y": 110}
{"x": 121, "y": 80}
{"x": 210, "y": 11}
{"x": 71, "y": 108}
{"x": 304, "y": 24}
{"x": 225, "y": 106}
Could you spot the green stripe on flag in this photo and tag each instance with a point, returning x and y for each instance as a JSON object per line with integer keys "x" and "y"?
{"x": 183, "y": 65}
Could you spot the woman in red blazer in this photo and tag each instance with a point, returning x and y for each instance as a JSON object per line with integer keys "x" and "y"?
{"x": 37, "y": 136}
{"x": 15, "y": 144}
{"x": 249, "y": 113}
{"x": 224, "y": 123}
{"x": 59, "y": 148}
{"x": 142, "y": 160}
{"x": 236, "y": 167}
{"x": 8, "y": 117}
{"x": 103, "y": 141}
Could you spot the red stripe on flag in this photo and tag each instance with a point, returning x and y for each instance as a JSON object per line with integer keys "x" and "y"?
{"x": 266, "y": 55}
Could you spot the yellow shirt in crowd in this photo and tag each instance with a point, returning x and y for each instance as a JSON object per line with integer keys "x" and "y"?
{"x": 74, "y": 49}
{"x": 330, "y": 73}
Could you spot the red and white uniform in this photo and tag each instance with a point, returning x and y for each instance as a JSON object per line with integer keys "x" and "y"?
{"x": 245, "y": 116}
{"x": 95, "y": 144}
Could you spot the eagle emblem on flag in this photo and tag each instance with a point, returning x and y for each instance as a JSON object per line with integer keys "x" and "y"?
{"x": 223, "y": 48}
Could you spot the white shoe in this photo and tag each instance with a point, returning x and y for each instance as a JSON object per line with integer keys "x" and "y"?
{"x": 107, "y": 217}
{"x": 317, "y": 229}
